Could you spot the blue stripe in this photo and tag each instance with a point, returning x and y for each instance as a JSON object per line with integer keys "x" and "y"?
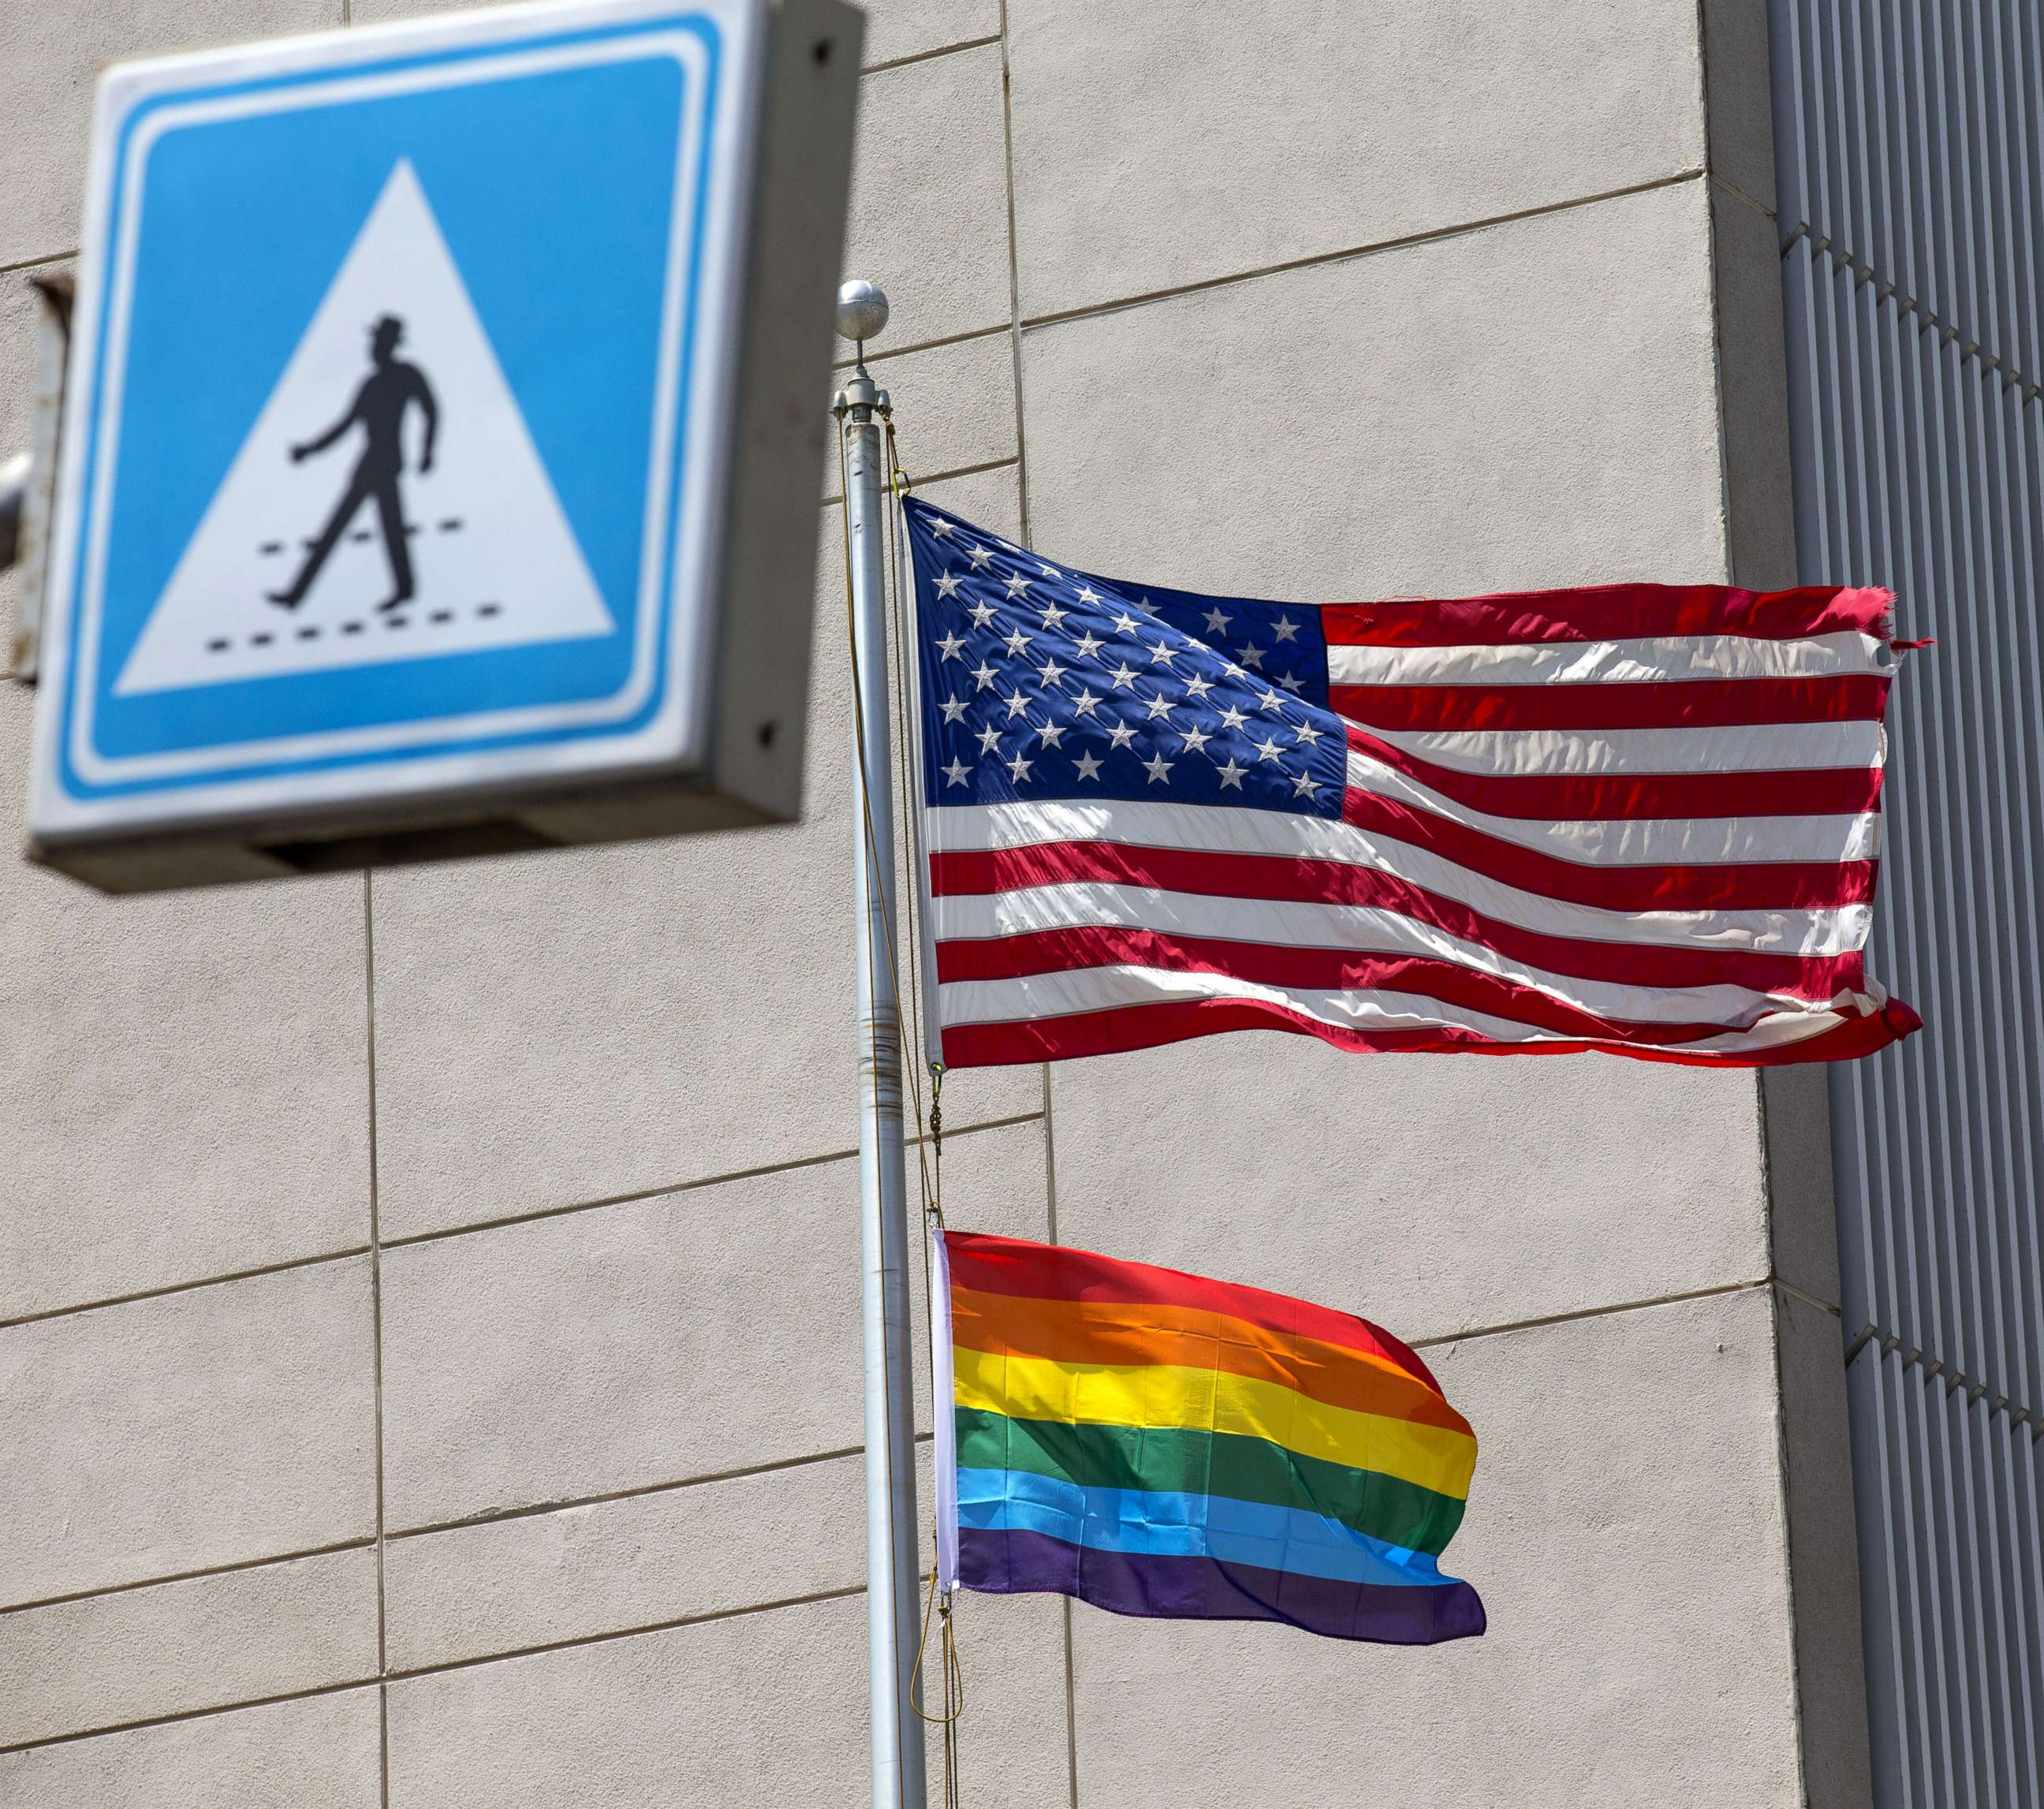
{"x": 1216, "y": 1527}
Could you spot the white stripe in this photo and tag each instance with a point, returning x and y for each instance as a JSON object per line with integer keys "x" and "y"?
{"x": 1354, "y": 929}
{"x": 1658, "y": 659}
{"x": 1766, "y": 747}
{"x": 1048, "y": 995}
{"x": 1687, "y": 841}
{"x": 1208, "y": 829}
{"x": 944, "y": 1423}
{"x": 978, "y": 828}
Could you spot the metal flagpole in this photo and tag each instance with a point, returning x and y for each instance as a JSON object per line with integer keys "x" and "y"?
{"x": 891, "y": 1583}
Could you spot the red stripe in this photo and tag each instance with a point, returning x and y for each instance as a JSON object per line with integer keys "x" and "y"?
{"x": 1749, "y": 885}
{"x": 1605, "y": 797}
{"x": 1611, "y": 612}
{"x": 1336, "y": 882}
{"x": 1273, "y": 964}
{"x": 1050, "y": 1272}
{"x": 1687, "y": 702}
{"x": 1178, "y": 1020}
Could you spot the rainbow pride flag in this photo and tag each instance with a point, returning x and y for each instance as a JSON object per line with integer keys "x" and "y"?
{"x": 1156, "y": 1443}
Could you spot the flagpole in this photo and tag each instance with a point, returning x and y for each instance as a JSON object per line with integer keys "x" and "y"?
{"x": 892, "y": 1582}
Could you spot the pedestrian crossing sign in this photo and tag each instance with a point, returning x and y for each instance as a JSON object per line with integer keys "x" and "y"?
{"x": 432, "y": 449}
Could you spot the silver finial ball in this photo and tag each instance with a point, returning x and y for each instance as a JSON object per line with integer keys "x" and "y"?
{"x": 861, "y": 310}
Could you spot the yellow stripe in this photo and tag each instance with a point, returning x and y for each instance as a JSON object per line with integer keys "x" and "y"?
{"x": 1216, "y": 1400}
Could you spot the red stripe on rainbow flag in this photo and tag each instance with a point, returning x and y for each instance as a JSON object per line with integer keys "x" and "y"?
{"x": 1014, "y": 1267}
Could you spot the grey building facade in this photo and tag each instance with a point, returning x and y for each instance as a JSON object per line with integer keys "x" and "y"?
{"x": 1909, "y": 140}
{"x": 428, "y": 1301}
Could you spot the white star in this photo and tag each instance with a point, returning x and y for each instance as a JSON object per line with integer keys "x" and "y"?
{"x": 1269, "y": 701}
{"x": 951, "y": 646}
{"x": 1050, "y": 571}
{"x": 955, "y": 772}
{"x": 1053, "y": 616}
{"x": 1198, "y": 687}
{"x": 1158, "y": 768}
{"x": 1088, "y": 594}
{"x": 1231, "y": 775}
{"x": 989, "y": 740}
{"x": 1162, "y": 654}
{"x": 1252, "y": 654}
{"x": 940, "y": 530}
{"x": 1306, "y": 732}
{"x": 948, "y": 583}
{"x": 953, "y": 709}
{"x": 1051, "y": 732}
{"x": 1285, "y": 628}
{"x": 1016, "y": 642}
{"x": 1017, "y": 703}
{"x": 1216, "y": 622}
{"x": 1020, "y": 767}
{"x": 1126, "y": 623}
{"x": 1304, "y": 786}
{"x": 1050, "y": 672}
{"x": 983, "y": 676}
{"x": 1090, "y": 644}
{"x": 983, "y": 615}
{"x": 981, "y": 557}
{"x": 1195, "y": 740}
{"x": 1017, "y": 584}
{"x": 1160, "y": 706}
{"x": 1290, "y": 681}
{"x": 1233, "y": 718}
{"x": 1123, "y": 676}
{"x": 1085, "y": 702}
{"x": 1269, "y": 750}
{"x": 1089, "y": 767}
{"x": 1121, "y": 735}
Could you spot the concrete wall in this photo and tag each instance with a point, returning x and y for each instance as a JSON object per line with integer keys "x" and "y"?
{"x": 427, "y": 1303}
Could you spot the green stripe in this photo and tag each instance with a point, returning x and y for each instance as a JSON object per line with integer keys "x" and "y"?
{"x": 1174, "y": 1460}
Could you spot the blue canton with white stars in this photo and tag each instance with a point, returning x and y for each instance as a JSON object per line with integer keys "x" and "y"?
{"x": 1041, "y": 683}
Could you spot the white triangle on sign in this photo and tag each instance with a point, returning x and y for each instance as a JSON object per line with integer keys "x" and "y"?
{"x": 495, "y": 563}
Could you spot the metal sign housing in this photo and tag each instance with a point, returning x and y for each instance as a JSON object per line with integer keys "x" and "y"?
{"x": 442, "y": 440}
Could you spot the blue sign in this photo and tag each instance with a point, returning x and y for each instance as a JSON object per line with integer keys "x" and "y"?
{"x": 401, "y": 374}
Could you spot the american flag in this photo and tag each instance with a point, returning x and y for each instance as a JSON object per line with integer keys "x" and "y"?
{"x": 1641, "y": 819}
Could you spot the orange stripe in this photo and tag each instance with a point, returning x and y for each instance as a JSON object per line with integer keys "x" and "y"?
{"x": 1121, "y": 1334}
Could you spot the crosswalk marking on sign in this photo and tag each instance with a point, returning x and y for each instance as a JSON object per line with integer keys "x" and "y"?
{"x": 293, "y": 567}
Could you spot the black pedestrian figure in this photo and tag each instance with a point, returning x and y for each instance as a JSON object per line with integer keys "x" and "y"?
{"x": 379, "y": 407}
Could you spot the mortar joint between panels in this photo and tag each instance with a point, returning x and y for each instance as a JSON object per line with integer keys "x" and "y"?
{"x": 1718, "y": 180}
{"x": 21, "y": 265}
{"x": 381, "y": 1683}
{"x": 396, "y": 1535}
{"x": 1807, "y": 1298}
{"x": 639, "y": 1631}
{"x": 917, "y": 479}
{"x": 876, "y": 356}
{"x": 170, "y": 1289}
{"x": 1717, "y": 1291}
{"x": 671, "y": 1485}
{"x": 385, "y": 1244}
{"x": 931, "y": 55}
{"x": 1316, "y": 260}
{"x": 675, "y": 1188}
{"x": 363, "y": 1542}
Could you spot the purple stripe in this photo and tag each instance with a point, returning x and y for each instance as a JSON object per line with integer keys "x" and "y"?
{"x": 1007, "y": 1562}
